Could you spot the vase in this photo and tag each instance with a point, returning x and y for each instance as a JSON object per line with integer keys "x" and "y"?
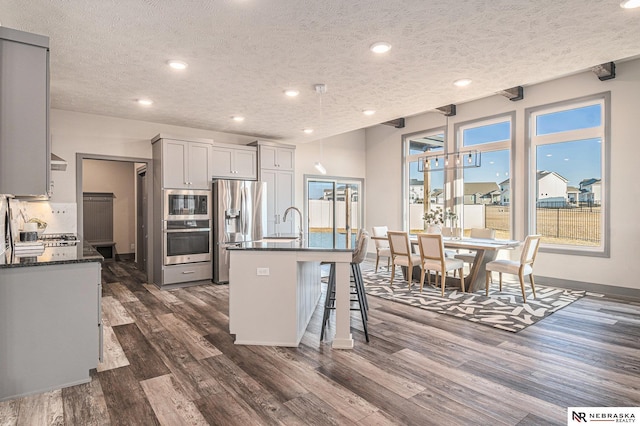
{"x": 434, "y": 229}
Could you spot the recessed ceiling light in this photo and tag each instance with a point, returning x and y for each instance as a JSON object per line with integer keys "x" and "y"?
{"x": 237, "y": 118}
{"x": 368, "y": 111}
{"x": 292, "y": 93}
{"x": 145, "y": 102}
{"x": 380, "y": 47}
{"x": 308, "y": 131}
{"x": 630, "y": 4}
{"x": 462, "y": 82}
{"x": 177, "y": 65}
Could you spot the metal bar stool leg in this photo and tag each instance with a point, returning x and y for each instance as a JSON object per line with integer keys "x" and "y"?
{"x": 355, "y": 267}
{"x": 329, "y": 300}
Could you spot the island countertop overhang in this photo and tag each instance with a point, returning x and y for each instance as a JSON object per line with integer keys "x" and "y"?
{"x": 282, "y": 246}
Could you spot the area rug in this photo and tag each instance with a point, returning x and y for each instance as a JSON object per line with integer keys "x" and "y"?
{"x": 501, "y": 309}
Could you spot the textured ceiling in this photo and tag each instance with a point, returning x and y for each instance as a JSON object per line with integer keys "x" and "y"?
{"x": 242, "y": 54}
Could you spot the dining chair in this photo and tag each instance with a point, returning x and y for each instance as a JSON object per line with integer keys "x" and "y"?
{"x": 484, "y": 233}
{"x": 401, "y": 254}
{"x": 521, "y": 267}
{"x": 432, "y": 258}
{"x": 382, "y": 246}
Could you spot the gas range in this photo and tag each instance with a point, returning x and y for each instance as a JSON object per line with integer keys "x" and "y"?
{"x": 59, "y": 240}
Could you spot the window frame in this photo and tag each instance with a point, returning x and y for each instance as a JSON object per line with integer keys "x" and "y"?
{"x": 409, "y": 158}
{"x": 533, "y": 141}
{"x": 506, "y": 144}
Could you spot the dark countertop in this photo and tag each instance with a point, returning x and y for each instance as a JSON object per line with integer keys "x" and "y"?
{"x": 274, "y": 245}
{"x": 81, "y": 252}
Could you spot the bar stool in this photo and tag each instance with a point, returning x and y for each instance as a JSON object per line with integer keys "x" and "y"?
{"x": 359, "y": 292}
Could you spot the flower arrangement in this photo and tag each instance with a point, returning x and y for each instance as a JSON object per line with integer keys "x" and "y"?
{"x": 434, "y": 217}
{"x": 438, "y": 217}
{"x": 451, "y": 216}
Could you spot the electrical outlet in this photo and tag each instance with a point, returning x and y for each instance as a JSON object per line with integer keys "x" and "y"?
{"x": 133, "y": 246}
{"x": 262, "y": 271}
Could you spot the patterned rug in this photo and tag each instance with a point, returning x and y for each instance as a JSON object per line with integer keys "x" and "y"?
{"x": 503, "y": 310}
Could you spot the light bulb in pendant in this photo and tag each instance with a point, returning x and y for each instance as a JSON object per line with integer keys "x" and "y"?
{"x": 320, "y": 168}
{"x": 469, "y": 159}
{"x": 436, "y": 161}
{"x": 458, "y": 159}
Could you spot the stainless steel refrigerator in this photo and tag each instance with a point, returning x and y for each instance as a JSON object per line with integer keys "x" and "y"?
{"x": 239, "y": 215}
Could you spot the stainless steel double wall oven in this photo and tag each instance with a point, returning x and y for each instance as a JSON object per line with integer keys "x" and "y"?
{"x": 187, "y": 226}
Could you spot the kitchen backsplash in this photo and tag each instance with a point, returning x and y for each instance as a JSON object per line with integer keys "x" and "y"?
{"x": 60, "y": 217}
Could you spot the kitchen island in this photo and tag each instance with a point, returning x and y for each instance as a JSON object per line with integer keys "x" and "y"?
{"x": 50, "y": 326}
{"x": 274, "y": 288}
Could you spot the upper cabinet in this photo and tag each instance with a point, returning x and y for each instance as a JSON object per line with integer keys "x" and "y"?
{"x": 24, "y": 113}
{"x": 184, "y": 164}
{"x": 276, "y": 157}
{"x": 234, "y": 162}
{"x": 276, "y": 166}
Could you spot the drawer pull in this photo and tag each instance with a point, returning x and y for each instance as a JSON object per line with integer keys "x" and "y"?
{"x": 189, "y": 272}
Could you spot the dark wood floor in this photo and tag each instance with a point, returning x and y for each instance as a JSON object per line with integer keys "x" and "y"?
{"x": 170, "y": 360}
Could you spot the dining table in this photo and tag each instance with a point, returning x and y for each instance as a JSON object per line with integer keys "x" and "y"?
{"x": 485, "y": 250}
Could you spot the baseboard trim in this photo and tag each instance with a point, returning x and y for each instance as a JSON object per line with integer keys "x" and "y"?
{"x": 125, "y": 256}
{"x": 609, "y": 290}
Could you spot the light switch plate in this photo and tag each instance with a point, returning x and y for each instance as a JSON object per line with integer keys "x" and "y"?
{"x": 262, "y": 271}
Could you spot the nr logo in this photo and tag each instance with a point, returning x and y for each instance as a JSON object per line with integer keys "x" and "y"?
{"x": 579, "y": 417}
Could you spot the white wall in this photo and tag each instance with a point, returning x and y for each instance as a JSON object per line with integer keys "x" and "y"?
{"x": 342, "y": 155}
{"x": 384, "y": 179}
{"x": 73, "y": 132}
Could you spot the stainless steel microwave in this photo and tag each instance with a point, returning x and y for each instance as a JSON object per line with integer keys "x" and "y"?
{"x": 187, "y": 204}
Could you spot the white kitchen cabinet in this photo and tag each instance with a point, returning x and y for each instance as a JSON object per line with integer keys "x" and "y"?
{"x": 280, "y": 195}
{"x": 277, "y": 169}
{"x": 234, "y": 162}
{"x": 24, "y": 113}
{"x": 185, "y": 164}
{"x": 277, "y": 158}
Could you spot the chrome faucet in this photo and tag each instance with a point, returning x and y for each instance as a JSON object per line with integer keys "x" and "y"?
{"x": 286, "y": 212}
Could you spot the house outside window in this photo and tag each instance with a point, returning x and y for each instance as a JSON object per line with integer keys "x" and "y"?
{"x": 567, "y": 168}
{"x": 483, "y": 194}
{"x": 424, "y": 189}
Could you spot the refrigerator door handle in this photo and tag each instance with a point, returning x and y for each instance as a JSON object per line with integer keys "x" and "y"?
{"x": 243, "y": 211}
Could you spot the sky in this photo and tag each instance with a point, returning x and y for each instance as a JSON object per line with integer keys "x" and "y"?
{"x": 574, "y": 160}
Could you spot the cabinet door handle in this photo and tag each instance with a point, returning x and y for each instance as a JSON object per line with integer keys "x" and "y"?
{"x": 189, "y": 272}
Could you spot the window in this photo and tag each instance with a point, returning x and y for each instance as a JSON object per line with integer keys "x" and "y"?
{"x": 424, "y": 189}
{"x": 566, "y": 175}
{"x": 333, "y": 210}
{"x": 484, "y": 195}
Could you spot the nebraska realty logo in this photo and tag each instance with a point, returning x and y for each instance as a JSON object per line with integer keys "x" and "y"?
{"x": 602, "y": 415}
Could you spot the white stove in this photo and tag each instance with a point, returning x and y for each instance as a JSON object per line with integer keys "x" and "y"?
{"x": 59, "y": 240}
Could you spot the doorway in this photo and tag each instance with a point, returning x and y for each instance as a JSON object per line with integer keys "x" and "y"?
{"x": 141, "y": 218}
{"x": 334, "y": 210}
{"x": 139, "y": 178}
